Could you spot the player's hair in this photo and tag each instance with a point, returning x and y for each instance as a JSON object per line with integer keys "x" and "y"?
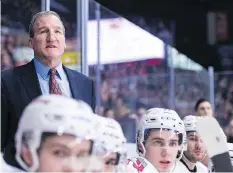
{"x": 37, "y": 15}
{"x": 201, "y": 100}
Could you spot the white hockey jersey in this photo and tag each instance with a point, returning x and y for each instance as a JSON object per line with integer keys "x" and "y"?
{"x": 7, "y": 168}
{"x": 142, "y": 165}
{"x": 200, "y": 168}
{"x": 179, "y": 167}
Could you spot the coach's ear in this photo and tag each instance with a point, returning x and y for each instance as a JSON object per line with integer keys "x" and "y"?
{"x": 26, "y": 156}
{"x": 30, "y": 43}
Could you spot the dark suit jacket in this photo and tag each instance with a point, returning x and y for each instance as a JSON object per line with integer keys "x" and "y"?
{"x": 20, "y": 86}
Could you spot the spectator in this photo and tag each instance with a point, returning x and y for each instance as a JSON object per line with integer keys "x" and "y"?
{"x": 104, "y": 93}
{"x": 6, "y": 62}
{"x": 134, "y": 116}
{"x": 22, "y": 53}
{"x": 9, "y": 46}
{"x": 141, "y": 112}
{"x": 120, "y": 109}
{"x": 101, "y": 110}
{"x": 109, "y": 113}
{"x": 203, "y": 108}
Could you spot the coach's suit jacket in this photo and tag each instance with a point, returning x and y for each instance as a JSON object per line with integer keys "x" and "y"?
{"x": 20, "y": 86}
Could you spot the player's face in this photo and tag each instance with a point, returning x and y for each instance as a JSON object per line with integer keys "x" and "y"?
{"x": 49, "y": 39}
{"x": 63, "y": 154}
{"x": 110, "y": 160}
{"x": 205, "y": 109}
{"x": 161, "y": 149}
{"x": 196, "y": 149}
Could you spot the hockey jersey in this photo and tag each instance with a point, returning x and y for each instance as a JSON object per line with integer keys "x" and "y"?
{"x": 7, "y": 168}
{"x": 199, "y": 167}
{"x": 142, "y": 165}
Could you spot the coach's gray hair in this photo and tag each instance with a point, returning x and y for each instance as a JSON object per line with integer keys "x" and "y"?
{"x": 42, "y": 13}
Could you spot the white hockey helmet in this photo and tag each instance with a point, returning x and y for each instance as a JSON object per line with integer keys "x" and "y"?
{"x": 110, "y": 138}
{"x": 159, "y": 118}
{"x": 190, "y": 123}
{"x": 54, "y": 114}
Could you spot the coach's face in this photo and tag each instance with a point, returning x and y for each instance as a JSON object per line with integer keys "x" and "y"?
{"x": 48, "y": 41}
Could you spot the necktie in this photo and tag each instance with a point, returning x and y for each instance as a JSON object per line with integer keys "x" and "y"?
{"x": 53, "y": 85}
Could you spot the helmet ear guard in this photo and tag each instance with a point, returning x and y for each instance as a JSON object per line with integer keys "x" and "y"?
{"x": 140, "y": 143}
{"x": 33, "y": 143}
{"x": 140, "y": 149}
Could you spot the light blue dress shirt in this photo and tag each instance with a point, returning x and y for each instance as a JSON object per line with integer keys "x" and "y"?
{"x": 42, "y": 72}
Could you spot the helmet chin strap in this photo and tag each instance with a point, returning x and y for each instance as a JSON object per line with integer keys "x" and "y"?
{"x": 203, "y": 157}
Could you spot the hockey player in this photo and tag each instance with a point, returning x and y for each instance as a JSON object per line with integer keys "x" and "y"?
{"x": 111, "y": 144}
{"x": 56, "y": 134}
{"x": 160, "y": 141}
{"x": 196, "y": 151}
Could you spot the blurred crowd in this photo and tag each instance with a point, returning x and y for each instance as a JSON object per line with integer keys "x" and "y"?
{"x": 224, "y": 101}
{"x": 128, "y": 89}
{"x": 14, "y": 51}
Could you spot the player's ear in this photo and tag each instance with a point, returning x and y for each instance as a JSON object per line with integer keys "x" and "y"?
{"x": 26, "y": 156}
